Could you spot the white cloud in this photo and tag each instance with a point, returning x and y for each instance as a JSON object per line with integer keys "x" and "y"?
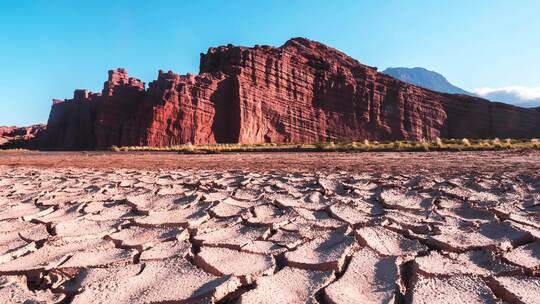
{"x": 517, "y": 95}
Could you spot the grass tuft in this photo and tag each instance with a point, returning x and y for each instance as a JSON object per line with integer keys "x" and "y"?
{"x": 16, "y": 150}
{"x": 355, "y": 146}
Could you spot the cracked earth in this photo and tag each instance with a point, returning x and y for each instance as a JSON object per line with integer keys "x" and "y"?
{"x": 81, "y": 235}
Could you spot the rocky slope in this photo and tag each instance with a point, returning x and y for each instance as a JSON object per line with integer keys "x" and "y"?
{"x": 22, "y": 137}
{"x": 300, "y": 92}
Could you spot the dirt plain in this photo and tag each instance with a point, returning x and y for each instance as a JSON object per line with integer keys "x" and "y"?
{"x": 288, "y": 162}
{"x": 436, "y": 227}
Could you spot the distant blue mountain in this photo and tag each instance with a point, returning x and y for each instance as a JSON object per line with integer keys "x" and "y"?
{"x": 425, "y": 79}
{"x": 437, "y": 82}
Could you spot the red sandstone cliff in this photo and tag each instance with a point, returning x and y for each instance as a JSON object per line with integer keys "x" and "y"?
{"x": 300, "y": 92}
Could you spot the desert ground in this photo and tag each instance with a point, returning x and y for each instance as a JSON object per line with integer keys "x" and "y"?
{"x": 435, "y": 227}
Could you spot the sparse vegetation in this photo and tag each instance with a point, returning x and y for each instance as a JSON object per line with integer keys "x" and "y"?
{"x": 363, "y": 146}
{"x": 13, "y": 150}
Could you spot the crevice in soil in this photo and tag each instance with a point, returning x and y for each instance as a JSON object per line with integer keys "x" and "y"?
{"x": 403, "y": 288}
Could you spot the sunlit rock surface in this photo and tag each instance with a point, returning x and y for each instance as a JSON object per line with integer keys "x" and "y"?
{"x": 300, "y": 92}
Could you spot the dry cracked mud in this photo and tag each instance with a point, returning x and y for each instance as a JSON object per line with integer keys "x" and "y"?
{"x": 125, "y": 235}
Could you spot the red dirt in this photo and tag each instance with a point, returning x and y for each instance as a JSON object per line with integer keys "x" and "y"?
{"x": 381, "y": 162}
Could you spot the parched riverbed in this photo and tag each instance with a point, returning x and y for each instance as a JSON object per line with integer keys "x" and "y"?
{"x": 270, "y": 228}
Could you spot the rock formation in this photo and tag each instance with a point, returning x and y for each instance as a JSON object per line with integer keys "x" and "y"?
{"x": 22, "y": 137}
{"x": 301, "y": 92}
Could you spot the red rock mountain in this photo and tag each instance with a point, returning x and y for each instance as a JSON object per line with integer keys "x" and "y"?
{"x": 301, "y": 92}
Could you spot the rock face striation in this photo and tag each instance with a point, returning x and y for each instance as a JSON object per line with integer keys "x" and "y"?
{"x": 301, "y": 92}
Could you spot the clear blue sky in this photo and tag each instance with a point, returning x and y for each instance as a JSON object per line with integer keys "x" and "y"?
{"x": 49, "y": 48}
